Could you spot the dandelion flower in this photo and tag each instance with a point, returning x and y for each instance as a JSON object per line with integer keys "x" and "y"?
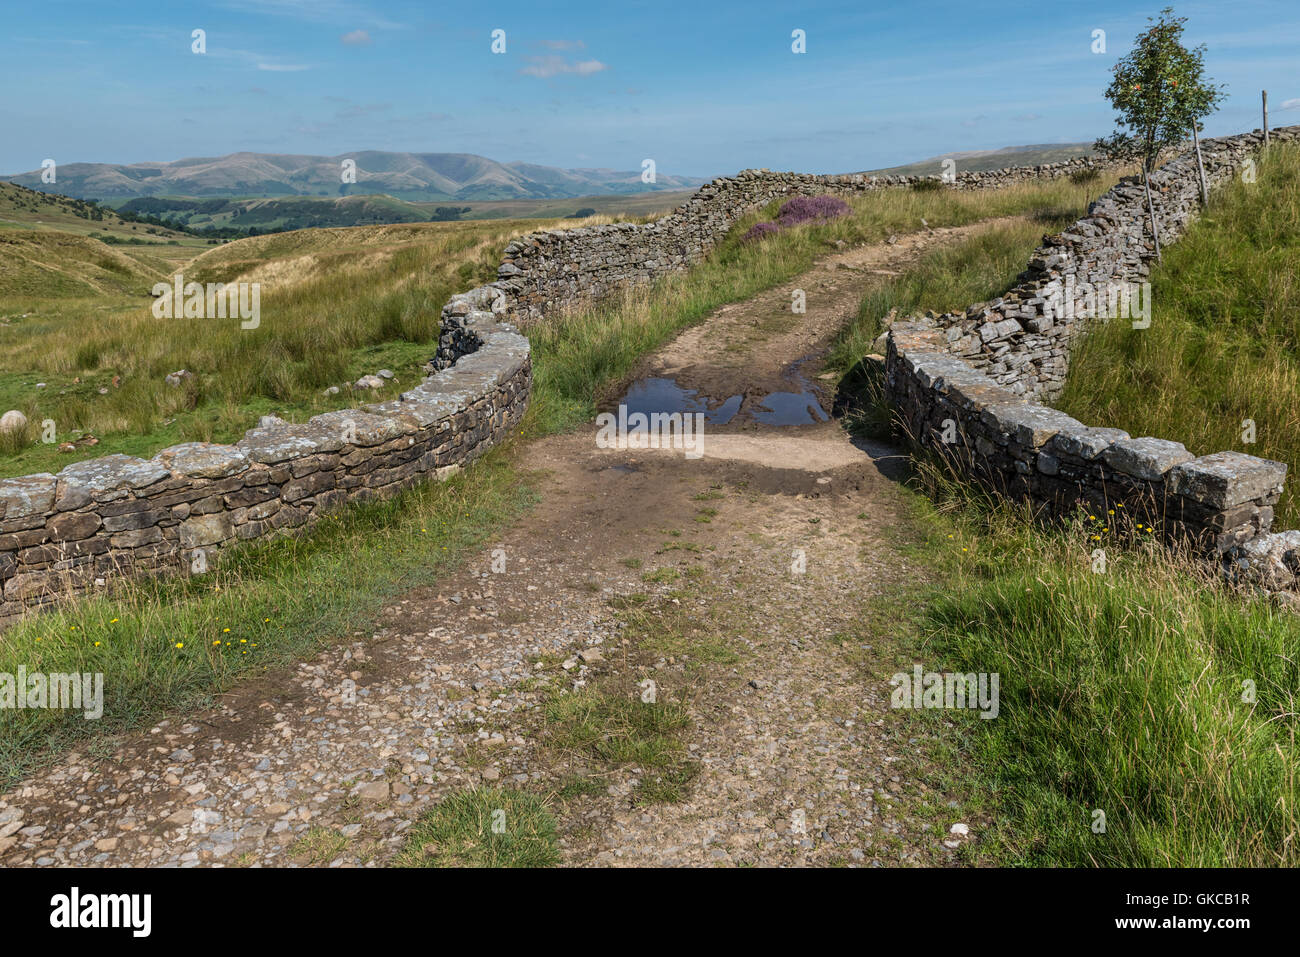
{"x": 180, "y": 644}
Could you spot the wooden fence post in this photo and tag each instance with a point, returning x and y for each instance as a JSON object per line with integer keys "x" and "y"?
{"x": 1200, "y": 166}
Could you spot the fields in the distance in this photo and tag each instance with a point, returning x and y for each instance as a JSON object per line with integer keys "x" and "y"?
{"x": 308, "y": 212}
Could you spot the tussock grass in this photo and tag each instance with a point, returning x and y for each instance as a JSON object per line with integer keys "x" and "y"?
{"x": 1224, "y": 341}
{"x": 607, "y": 727}
{"x": 1122, "y": 691}
{"x": 335, "y": 304}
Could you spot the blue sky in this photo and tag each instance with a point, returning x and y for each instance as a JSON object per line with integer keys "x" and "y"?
{"x": 702, "y": 88}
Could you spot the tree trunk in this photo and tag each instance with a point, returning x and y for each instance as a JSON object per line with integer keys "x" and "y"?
{"x": 1151, "y": 210}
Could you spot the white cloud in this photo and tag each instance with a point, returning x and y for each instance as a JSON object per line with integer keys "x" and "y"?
{"x": 548, "y": 66}
{"x": 261, "y": 61}
{"x": 357, "y": 38}
{"x": 1291, "y": 104}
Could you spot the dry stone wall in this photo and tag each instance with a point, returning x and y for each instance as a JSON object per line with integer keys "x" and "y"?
{"x": 566, "y": 268}
{"x": 1022, "y": 339}
{"x": 964, "y": 384}
{"x": 119, "y": 516}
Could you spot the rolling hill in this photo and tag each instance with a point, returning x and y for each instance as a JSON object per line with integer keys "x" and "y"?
{"x": 977, "y": 161}
{"x": 410, "y": 176}
{"x": 22, "y": 208}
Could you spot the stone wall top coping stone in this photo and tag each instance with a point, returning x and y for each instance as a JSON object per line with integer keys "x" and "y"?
{"x": 281, "y": 443}
{"x": 203, "y": 459}
{"x": 1035, "y": 424}
{"x": 354, "y": 427}
{"x": 1086, "y": 442}
{"x": 1146, "y": 458}
{"x": 109, "y": 473}
{"x": 1227, "y": 479}
{"x": 28, "y": 495}
{"x": 424, "y": 412}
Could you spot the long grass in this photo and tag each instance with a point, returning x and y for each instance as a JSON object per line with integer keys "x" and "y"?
{"x": 1223, "y": 349}
{"x": 335, "y": 304}
{"x": 1145, "y": 689}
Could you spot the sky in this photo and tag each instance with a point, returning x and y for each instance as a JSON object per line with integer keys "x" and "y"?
{"x": 703, "y": 89}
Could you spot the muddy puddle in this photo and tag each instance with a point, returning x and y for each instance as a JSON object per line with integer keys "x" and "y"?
{"x": 657, "y": 394}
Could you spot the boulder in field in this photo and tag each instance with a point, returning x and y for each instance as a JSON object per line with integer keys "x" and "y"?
{"x": 12, "y": 421}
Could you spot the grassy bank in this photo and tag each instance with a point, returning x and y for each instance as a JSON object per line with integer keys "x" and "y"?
{"x": 1149, "y": 692}
{"x": 336, "y": 304}
{"x": 1224, "y": 341}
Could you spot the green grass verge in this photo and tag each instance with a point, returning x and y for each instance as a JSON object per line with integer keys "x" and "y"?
{"x": 1150, "y": 692}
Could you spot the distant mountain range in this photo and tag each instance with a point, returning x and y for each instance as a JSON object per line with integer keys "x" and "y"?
{"x": 409, "y": 176}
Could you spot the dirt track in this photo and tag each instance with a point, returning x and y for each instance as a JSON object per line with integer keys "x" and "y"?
{"x": 797, "y": 756}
